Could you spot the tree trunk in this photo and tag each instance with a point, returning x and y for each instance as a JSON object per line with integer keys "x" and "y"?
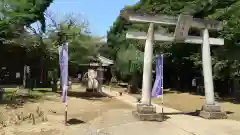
{"x": 54, "y": 80}
{"x": 24, "y": 76}
{"x": 134, "y": 82}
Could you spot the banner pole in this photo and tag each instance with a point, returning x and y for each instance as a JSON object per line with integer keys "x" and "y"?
{"x": 66, "y": 110}
{"x": 63, "y": 61}
{"x": 67, "y": 83}
{"x": 162, "y": 83}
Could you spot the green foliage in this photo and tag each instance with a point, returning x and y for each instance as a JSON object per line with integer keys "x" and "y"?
{"x": 81, "y": 43}
{"x": 180, "y": 58}
{"x": 38, "y": 47}
{"x": 41, "y": 44}
{"x": 129, "y": 60}
{"x": 15, "y": 14}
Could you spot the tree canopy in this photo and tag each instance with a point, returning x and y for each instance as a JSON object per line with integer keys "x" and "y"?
{"x": 41, "y": 42}
{"x": 179, "y": 59}
{"x": 15, "y": 14}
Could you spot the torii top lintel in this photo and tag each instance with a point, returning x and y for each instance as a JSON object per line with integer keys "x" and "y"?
{"x": 173, "y": 20}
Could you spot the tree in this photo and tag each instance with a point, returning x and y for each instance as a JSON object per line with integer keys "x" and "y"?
{"x": 76, "y": 32}
{"x": 15, "y": 14}
{"x": 180, "y": 59}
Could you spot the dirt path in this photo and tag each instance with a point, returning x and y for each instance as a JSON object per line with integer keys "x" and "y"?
{"x": 81, "y": 110}
{"x": 190, "y": 103}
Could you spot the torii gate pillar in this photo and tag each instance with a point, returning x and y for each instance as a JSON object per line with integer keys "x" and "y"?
{"x": 145, "y": 111}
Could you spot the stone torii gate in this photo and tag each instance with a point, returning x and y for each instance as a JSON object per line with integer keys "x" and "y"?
{"x": 146, "y": 111}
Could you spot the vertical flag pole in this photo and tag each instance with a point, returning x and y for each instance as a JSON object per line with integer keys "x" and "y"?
{"x": 66, "y": 110}
{"x": 63, "y": 62}
{"x": 67, "y": 84}
{"x": 162, "y": 81}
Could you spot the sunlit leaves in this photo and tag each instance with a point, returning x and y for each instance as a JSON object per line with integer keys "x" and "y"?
{"x": 15, "y": 14}
{"x": 182, "y": 56}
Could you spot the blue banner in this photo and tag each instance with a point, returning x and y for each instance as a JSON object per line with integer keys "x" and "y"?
{"x": 157, "y": 90}
{"x": 63, "y": 62}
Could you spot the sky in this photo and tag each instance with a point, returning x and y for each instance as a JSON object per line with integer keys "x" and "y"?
{"x": 100, "y": 13}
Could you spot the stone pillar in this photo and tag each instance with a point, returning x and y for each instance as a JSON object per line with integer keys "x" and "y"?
{"x": 207, "y": 69}
{"x": 147, "y": 68}
{"x": 210, "y": 110}
{"x": 145, "y": 111}
{"x": 100, "y": 77}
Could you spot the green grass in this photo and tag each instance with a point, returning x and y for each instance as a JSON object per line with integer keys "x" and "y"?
{"x": 37, "y": 89}
{"x": 28, "y": 96}
{"x": 9, "y": 90}
{"x": 42, "y": 89}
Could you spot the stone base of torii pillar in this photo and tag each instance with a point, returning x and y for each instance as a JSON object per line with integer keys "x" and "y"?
{"x": 147, "y": 113}
{"x": 212, "y": 112}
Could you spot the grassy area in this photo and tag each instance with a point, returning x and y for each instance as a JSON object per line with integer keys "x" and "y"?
{"x": 12, "y": 96}
{"x": 188, "y": 103}
{"x": 34, "y": 89}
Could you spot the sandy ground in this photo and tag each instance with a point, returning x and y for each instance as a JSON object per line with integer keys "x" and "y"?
{"x": 82, "y": 109}
{"x": 190, "y": 103}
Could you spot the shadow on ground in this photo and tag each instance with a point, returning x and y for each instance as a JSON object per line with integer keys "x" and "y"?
{"x": 15, "y": 99}
{"x": 19, "y": 100}
{"x": 194, "y": 113}
{"x": 218, "y": 97}
{"x": 228, "y": 99}
{"x": 88, "y": 95}
{"x": 44, "y": 91}
{"x": 74, "y": 121}
{"x": 165, "y": 117}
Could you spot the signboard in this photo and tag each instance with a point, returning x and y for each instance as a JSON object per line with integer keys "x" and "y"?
{"x": 182, "y": 27}
{"x": 28, "y": 69}
{"x": 169, "y": 38}
{"x": 94, "y": 64}
{"x": 18, "y": 75}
